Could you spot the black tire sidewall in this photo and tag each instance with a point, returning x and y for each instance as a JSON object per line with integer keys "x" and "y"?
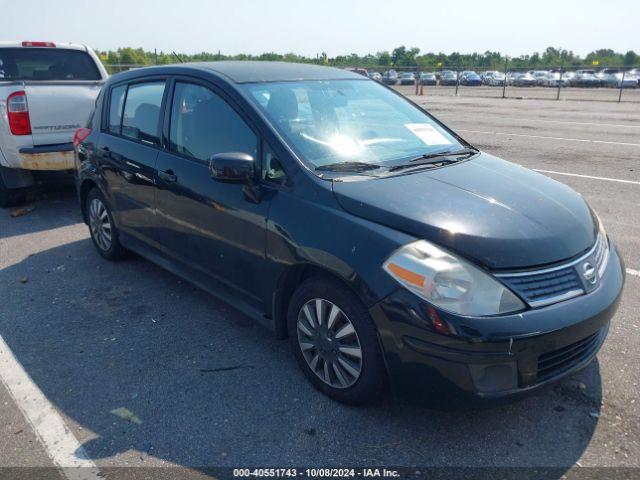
{"x": 115, "y": 249}
{"x": 372, "y": 381}
{"x": 8, "y": 197}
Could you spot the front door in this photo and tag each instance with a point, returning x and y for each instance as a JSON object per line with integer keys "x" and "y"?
{"x": 214, "y": 227}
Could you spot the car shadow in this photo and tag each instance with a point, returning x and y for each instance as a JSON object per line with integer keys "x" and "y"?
{"x": 147, "y": 367}
{"x": 43, "y": 210}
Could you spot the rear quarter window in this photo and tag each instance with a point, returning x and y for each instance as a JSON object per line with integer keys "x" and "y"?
{"x": 116, "y": 103}
{"x": 47, "y": 64}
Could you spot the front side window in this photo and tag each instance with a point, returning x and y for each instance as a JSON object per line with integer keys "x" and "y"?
{"x": 142, "y": 111}
{"x": 272, "y": 170}
{"x": 203, "y": 124}
{"x": 349, "y": 121}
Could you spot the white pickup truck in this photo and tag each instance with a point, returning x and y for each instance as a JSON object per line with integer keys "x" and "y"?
{"x": 47, "y": 92}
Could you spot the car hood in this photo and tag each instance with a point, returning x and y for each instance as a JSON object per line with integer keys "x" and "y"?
{"x": 499, "y": 214}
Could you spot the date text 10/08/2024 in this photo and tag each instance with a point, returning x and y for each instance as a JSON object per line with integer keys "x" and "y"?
{"x": 316, "y": 472}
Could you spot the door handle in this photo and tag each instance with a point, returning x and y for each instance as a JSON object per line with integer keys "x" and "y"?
{"x": 168, "y": 176}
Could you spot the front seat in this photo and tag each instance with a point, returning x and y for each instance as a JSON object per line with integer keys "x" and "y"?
{"x": 146, "y": 118}
{"x": 283, "y": 106}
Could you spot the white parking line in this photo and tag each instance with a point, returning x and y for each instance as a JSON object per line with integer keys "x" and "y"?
{"x": 631, "y": 271}
{"x": 550, "y": 138}
{"x": 633, "y": 182}
{"x": 542, "y": 120}
{"x": 61, "y": 445}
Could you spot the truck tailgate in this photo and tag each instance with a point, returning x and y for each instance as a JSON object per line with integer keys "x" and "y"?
{"x": 57, "y": 110}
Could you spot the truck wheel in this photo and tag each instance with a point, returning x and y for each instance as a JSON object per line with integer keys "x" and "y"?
{"x": 335, "y": 341}
{"x": 8, "y": 196}
{"x": 101, "y": 226}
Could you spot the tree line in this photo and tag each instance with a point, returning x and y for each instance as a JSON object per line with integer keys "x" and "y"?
{"x": 398, "y": 57}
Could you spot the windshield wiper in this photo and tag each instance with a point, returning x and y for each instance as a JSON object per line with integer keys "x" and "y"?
{"x": 436, "y": 158}
{"x": 348, "y": 167}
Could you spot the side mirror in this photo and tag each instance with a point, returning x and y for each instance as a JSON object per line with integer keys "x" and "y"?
{"x": 235, "y": 167}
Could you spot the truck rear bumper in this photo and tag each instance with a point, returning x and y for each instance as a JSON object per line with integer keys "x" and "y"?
{"x": 47, "y": 157}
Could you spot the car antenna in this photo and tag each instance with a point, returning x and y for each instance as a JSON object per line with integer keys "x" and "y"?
{"x": 178, "y": 57}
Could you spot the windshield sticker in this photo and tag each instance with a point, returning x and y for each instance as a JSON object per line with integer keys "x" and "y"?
{"x": 427, "y": 133}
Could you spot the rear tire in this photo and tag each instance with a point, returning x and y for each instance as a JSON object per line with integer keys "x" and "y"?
{"x": 340, "y": 355}
{"x": 102, "y": 228}
{"x": 9, "y": 196}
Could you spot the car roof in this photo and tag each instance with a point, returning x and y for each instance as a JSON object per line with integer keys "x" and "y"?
{"x": 252, "y": 71}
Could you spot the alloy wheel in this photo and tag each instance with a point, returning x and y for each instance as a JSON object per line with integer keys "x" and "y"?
{"x": 329, "y": 343}
{"x": 100, "y": 224}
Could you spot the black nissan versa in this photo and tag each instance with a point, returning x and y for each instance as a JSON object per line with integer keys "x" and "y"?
{"x": 333, "y": 210}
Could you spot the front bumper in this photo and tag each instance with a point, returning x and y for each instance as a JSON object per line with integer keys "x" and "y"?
{"x": 428, "y": 350}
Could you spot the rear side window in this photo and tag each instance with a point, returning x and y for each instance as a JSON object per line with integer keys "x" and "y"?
{"x": 115, "y": 108}
{"x": 46, "y": 64}
{"x": 142, "y": 111}
{"x": 203, "y": 124}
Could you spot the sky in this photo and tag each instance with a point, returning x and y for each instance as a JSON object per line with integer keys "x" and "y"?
{"x": 337, "y": 27}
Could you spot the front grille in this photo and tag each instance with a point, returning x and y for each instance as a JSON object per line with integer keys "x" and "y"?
{"x": 554, "y": 363}
{"x": 543, "y": 288}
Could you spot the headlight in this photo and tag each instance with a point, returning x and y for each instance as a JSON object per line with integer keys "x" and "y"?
{"x": 449, "y": 282}
{"x": 601, "y": 228}
{"x": 602, "y": 250}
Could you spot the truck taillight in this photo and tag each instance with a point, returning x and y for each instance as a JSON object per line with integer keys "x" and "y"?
{"x": 39, "y": 44}
{"x": 80, "y": 136}
{"x": 18, "y": 113}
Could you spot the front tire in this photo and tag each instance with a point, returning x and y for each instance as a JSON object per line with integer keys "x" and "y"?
{"x": 104, "y": 234}
{"x": 335, "y": 341}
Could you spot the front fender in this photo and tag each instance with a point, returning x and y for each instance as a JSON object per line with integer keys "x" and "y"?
{"x": 318, "y": 232}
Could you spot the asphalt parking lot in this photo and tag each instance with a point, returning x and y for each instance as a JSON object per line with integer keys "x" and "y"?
{"x": 145, "y": 370}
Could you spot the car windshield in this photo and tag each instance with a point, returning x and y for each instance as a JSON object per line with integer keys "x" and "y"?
{"x": 328, "y": 122}
{"x": 46, "y": 64}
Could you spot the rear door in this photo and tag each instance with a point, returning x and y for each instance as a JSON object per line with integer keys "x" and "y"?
{"x": 128, "y": 150}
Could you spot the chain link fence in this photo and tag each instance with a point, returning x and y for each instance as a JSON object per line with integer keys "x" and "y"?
{"x": 583, "y": 82}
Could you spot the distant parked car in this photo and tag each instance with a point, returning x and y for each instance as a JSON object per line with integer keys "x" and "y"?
{"x": 553, "y": 79}
{"x": 523, "y": 80}
{"x": 510, "y": 77}
{"x": 585, "y": 78}
{"x": 470, "y": 78}
{"x": 539, "y": 75}
{"x": 636, "y": 73}
{"x": 486, "y": 76}
{"x": 359, "y": 71}
{"x": 606, "y": 74}
{"x": 568, "y": 77}
{"x": 390, "y": 77}
{"x": 407, "y": 78}
{"x": 497, "y": 79}
{"x": 375, "y": 76}
{"x": 448, "y": 78}
{"x": 428, "y": 78}
{"x": 617, "y": 80}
